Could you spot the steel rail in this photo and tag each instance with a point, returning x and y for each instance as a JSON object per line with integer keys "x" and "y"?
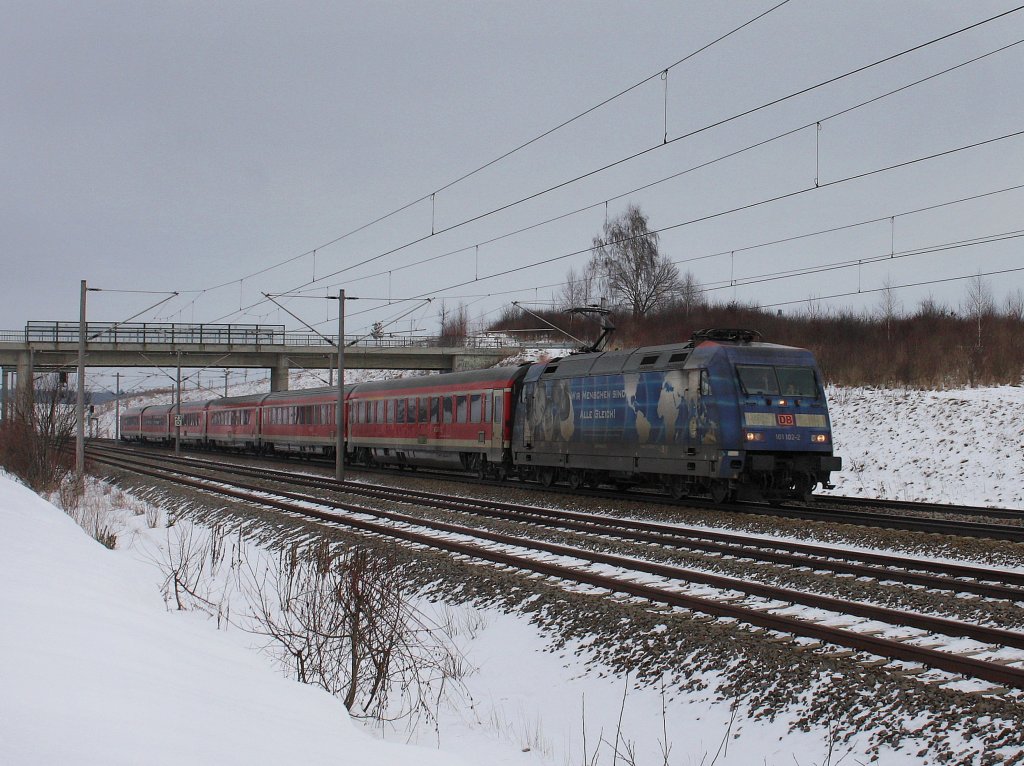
{"x": 918, "y": 505}
{"x": 930, "y": 574}
{"x": 993, "y": 672}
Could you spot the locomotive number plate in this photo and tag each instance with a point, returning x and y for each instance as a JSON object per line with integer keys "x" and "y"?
{"x": 784, "y": 419}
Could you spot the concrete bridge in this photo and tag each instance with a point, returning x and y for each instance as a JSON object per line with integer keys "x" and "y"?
{"x": 49, "y": 346}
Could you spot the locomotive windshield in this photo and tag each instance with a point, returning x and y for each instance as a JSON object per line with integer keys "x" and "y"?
{"x": 787, "y": 381}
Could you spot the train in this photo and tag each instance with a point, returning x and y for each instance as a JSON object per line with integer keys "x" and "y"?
{"x": 722, "y": 414}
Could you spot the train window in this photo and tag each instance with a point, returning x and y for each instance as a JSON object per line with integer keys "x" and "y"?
{"x": 499, "y": 403}
{"x": 460, "y": 409}
{"x": 447, "y": 409}
{"x": 400, "y": 417}
{"x": 648, "y": 360}
{"x": 486, "y": 417}
{"x": 424, "y": 404}
{"x": 435, "y": 410}
{"x": 797, "y": 381}
{"x": 677, "y": 358}
{"x": 474, "y": 408}
{"x": 758, "y": 378}
{"x": 705, "y": 383}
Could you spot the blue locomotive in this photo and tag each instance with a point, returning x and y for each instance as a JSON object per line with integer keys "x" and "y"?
{"x": 724, "y": 415}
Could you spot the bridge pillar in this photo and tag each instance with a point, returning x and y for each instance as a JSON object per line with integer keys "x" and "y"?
{"x": 25, "y": 378}
{"x": 279, "y": 375}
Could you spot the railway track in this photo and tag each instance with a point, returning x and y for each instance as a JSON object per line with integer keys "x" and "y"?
{"x": 885, "y": 514}
{"x": 763, "y": 606}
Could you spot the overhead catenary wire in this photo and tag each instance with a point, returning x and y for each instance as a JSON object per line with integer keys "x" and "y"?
{"x": 785, "y": 134}
{"x": 697, "y": 131}
{"x": 749, "y": 206}
{"x": 773, "y": 242}
{"x": 924, "y": 283}
{"x": 504, "y": 155}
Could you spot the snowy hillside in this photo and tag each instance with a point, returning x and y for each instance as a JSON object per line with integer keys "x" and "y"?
{"x": 960, "y": 446}
{"x": 91, "y": 651}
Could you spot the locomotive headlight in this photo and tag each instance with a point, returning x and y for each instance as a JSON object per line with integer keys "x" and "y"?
{"x": 819, "y": 438}
{"x": 782, "y": 402}
{"x": 754, "y": 436}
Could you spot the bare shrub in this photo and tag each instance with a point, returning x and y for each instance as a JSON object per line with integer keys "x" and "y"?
{"x": 342, "y": 622}
{"x": 188, "y": 567}
{"x": 454, "y": 325}
{"x": 92, "y": 515}
{"x": 34, "y": 441}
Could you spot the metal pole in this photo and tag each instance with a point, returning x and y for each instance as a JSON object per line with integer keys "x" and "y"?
{"x": 226, "y": 383}
{"x": 177, "y": 411}
{"x": 3, "y": 393}
{"x": 339, "y": 419}
{"x": 80, "y": 402}
{"x": 117, "y": 407}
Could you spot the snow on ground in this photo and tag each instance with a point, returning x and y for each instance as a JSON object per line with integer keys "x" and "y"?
{"x": 958, "y": 446}
{"x": 95, "y": 669}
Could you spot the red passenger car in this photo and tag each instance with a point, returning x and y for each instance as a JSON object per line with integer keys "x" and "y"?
{"x": 193, "y": 423}
{"x": 131, "y": 424}
{"x": 234, "y": 422}
{"x": 155, "y": 423}
{"x": 461, "y": 420}
{"x": 300, "y": 421}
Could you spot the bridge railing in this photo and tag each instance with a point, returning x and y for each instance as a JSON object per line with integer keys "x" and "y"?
{"x": 177, "y": 334}
{"x": 155, "y": 332}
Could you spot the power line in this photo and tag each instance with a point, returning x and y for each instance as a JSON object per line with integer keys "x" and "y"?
{"x": 697, "y": 131}
{"x": 783, "y": 240}
{"x": 900, "y": 287}
{"x": 673, "y": 176}
{"x": 848, "y": 264}
{"x": 749, "y": 206}
{"x": 506, "y": 154}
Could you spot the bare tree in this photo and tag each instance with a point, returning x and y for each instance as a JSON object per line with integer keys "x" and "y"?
{"x": 890, "y": 307}
{"x": 630, "y": 269}
{"x": 979, "y": 302}
{"x": 691, "y": 293}
{"x": 577, "y": 289}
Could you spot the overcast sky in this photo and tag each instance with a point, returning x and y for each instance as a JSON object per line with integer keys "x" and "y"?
{"x": 181, "y": 146}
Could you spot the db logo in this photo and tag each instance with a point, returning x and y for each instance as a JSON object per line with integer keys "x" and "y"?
{"x": 785, "y": 420}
